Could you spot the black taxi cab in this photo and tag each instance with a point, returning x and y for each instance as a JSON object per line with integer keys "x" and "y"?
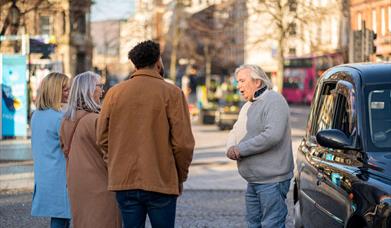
{"x": 343, "y": 164}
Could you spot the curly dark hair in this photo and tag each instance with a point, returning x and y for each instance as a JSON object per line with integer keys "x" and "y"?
{"x": 145, "y": 54}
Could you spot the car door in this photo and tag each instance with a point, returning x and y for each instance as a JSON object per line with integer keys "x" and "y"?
{"x": 308, "y": 154}
{"x": 336, "y": 166}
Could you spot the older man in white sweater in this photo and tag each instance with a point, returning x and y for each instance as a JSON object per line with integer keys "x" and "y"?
{"x": 260, "y": 141}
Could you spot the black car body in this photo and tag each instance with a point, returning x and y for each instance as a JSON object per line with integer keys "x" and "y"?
{"x": 343, "y": 164}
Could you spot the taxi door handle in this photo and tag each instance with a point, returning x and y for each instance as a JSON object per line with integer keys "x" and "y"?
{"x": 320, "y": 177}
{"x": 310, "y": 144}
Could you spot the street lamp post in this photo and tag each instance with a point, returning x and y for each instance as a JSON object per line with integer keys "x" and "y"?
{"x": 12, "y": 20}
{"x": 14, "y": 15}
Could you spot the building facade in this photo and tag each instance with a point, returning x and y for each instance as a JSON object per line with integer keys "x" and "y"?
{"x": 64, "y": 25}
{"x": 260, "y": 48}
{"x": 106, "y": 36}
{"x": 325, "y": 32}
{"x": 214, "y": 37}
{"x": 376, "y": 15}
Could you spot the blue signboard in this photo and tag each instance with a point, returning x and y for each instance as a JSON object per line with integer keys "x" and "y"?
{"x": 13, "y": 83}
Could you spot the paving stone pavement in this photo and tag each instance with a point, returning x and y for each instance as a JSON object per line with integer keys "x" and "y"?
{"x": 213, "y": 196}
{"x": 196, "y": 208}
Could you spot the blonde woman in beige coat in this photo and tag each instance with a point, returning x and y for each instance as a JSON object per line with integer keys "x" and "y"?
{"x": 92, "y": 205}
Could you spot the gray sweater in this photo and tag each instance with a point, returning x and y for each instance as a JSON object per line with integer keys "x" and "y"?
{"x": 263, "y": 135}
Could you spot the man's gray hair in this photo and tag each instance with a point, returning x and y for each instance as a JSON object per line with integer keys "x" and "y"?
{"x": 256, "y": 73}
{"x": 81, "y": 94}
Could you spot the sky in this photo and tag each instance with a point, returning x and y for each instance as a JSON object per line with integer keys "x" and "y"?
{"x": 111, "y": 9}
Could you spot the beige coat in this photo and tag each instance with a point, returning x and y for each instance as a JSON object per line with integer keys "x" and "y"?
{"x": 144, "y": 129}
{"x": 92, "y": 205}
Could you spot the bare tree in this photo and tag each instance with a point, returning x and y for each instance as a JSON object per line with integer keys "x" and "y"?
{"x": 33, "y": 5}
{"x": 214, "y": 37}
{"x": 282, "y": 18}
{"x": 205, "y": 36}
{"x": 178, "y": 20}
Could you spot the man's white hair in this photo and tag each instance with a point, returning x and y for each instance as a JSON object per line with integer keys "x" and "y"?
{"x": 256, "y": 73}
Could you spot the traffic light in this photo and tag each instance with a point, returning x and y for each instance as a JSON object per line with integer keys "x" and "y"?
{"x": 357, "y": 44}
{"x": 371, "y": 42}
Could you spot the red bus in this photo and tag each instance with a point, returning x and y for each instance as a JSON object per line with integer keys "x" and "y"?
{"x": 301, "y": 74}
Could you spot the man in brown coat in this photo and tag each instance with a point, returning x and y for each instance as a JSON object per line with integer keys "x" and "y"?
{"x": 144, "y": 130}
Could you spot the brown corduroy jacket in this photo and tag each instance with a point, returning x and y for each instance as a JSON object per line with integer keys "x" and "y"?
{"x": 145, "y": 133}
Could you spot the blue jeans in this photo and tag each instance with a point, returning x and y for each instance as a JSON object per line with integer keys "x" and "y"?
{"x": 59, "y": 222}
{"x": 136, "y": 204}
{"x": 265, "y": 204}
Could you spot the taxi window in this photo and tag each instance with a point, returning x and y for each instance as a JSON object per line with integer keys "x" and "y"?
{"x": 323, "y": 118}
{"x": 379, "y": 110}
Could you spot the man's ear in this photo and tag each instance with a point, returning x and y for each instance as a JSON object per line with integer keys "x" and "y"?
{"x": 158, "y": 66}
{"x": 259, "y": 83}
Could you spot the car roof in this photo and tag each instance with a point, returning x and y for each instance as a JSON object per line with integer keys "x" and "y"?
{"x": 371, "y": 73}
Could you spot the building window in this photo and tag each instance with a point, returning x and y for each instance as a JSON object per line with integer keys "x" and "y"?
{"x": 292, "y": 5}
{"x": 359, "y": 19}
{"x": 44, "y": 25}
{"x": 374, "y": 21}
{"x": 292, "y": 29}
{"x": 389, "y": 19}
{"x": 383, "y": 21}
{"x": 79, "y": 22}
{"x": 80, "y": 62}
{"x": 292, "y": 51}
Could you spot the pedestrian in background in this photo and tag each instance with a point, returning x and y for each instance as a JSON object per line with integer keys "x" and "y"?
{"x": 91, "y": 203}
{"x": 50, "y": 198}
{"x": 144, "y": 129}
{"x": 260, "y": 141}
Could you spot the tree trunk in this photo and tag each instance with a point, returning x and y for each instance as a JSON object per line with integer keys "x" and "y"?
{"x": 173, "y": 57}
{"x": 178, "y": 17}
{"x": 208, "y": 66}
{"x": 280, "y": 64}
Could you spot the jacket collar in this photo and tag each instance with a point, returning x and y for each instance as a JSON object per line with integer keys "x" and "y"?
{"x": 148, "y": 73}
{"x": 259, "y": 93}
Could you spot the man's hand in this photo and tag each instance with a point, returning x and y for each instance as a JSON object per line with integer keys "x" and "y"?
{"x": 233, "y": 153}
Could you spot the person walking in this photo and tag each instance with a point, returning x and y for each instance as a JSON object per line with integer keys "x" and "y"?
{"x": 50, "y": 197}
{"x": 144, "y": 130}
{"x": 260, "y": 142}
{"x": 92, "y": 204}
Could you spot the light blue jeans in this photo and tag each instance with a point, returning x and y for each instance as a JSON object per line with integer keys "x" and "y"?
{"x": 265, "y": 204}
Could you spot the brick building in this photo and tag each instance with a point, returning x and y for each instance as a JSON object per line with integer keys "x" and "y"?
{"x": 377, "y": 16}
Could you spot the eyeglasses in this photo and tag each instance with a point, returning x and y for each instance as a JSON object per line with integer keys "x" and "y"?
{"x": 65, "y": 89}
{"x": 100, "y": 85}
